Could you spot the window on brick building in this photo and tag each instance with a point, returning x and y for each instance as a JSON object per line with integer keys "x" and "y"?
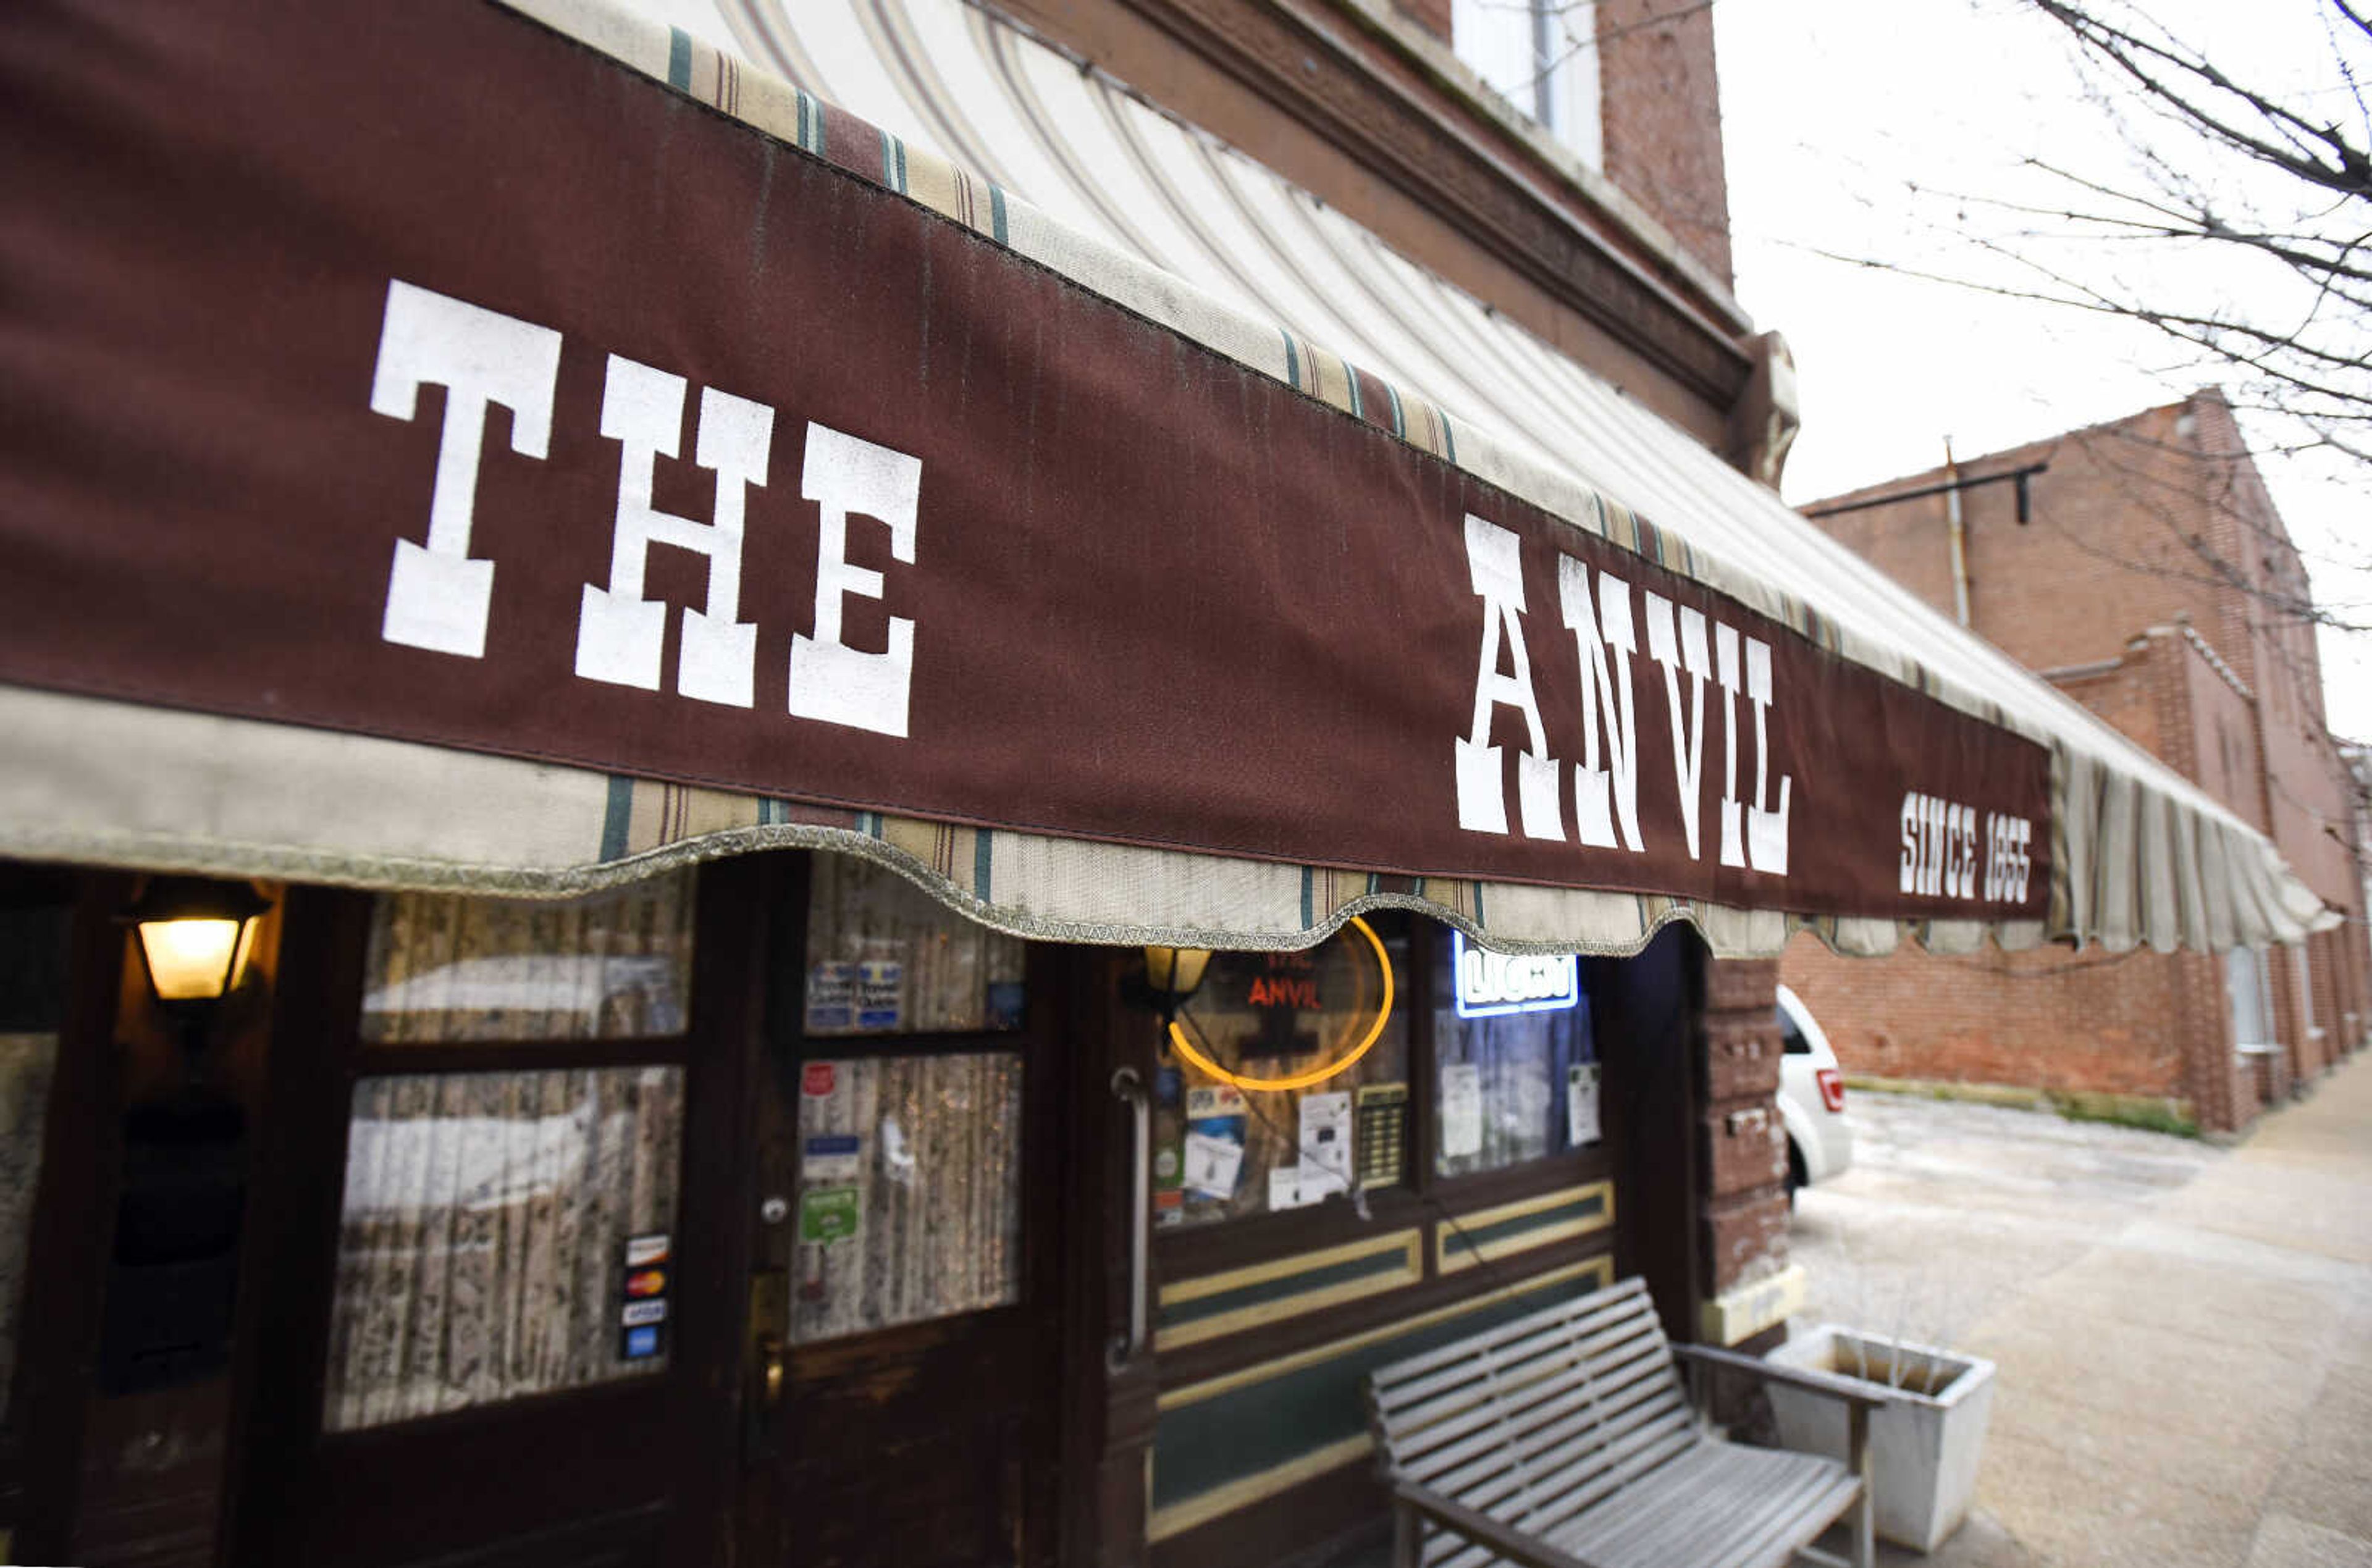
{"x": 2306, "y": 990}
{"x": 2244, "y": 994}
{"x": 1541, "y": 56}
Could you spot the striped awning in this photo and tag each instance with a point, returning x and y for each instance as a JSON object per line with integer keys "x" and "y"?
{"x": 949, "y": 109}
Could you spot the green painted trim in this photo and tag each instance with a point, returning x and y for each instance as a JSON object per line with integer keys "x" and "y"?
{"x": 996, "y": 227}
{"x": 617, "y": 817}
{"x": 679, "y": 60}
{"x": 1266, "y": 1426}
{"x": 1393, "y": 1260}
{"x": 1469, "y": 1238}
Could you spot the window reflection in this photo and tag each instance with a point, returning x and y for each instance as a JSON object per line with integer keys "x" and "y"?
{"x": 616, "y": 965}
{"x": 1221, "y": 1153}
{"x": 1518, "y": 1079}
{"x": 910, "y": 1190}
{"x": 499, "y": 1234}
{"x": 885, "y": 957}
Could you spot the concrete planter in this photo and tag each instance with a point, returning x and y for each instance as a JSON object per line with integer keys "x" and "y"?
{"x": 1923, "y": 1446}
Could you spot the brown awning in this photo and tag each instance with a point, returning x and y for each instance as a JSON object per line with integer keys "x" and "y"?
{"x": 437, "y": 453}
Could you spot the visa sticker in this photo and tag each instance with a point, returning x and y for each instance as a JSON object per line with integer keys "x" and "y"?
{"x": 638, "y": 1313}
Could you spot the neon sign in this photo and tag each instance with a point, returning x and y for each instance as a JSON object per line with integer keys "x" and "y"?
{"x": 1324, "y": 1070}
{"x": 1491, "y": 985}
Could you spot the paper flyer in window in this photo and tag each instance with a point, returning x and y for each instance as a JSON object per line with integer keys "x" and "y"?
{"x": 1215, "y": 1155}
{"x": 1461, "y": 1110}
{"x": 1581, "y": 1104}
{"x": 1214, "y": 1141}
{"x": 1326, "y": 1144}
{"x": 1289, "y": 1188}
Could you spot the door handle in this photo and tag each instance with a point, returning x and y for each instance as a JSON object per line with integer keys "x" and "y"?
{"x": 1129, "y": 1087}
{"x": 771, "y": 1372}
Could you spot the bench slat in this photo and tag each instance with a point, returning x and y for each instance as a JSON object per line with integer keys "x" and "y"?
{"x": 1655, "y": 1449}
{"x": 1622, "y": 1322}
{"x": 1724, "y": 1507}
{"x": 1612, "y": 1299}
{"x": 1590, "y": 1429}
{"x": 1485, "y": 1421}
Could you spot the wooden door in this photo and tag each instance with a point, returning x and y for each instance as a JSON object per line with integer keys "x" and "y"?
{"x": 904, "y": 1243}
{"x": 501, "y": 1319}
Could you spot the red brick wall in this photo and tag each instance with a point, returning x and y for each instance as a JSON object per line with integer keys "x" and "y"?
{"x": 2129, "y": 697}
{"x": 1743, "y": 1148}
{"x": 2223, "y": 756}
{"x": 2135, "y": 527}
{"x": 1660, "y": 120}
{"x": 2142, "y": 1023}
{"x": 2044, "y": 1018}
{"x": 2104, "y": 557}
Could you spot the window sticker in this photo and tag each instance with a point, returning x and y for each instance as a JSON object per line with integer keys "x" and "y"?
{"x": 1461, "y": 1110}
{"x": 1581, "y": 1104}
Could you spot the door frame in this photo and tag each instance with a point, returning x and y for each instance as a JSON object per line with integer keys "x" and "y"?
{"x": 1051, "y": 1046}
{"x": 284, "y": 1314}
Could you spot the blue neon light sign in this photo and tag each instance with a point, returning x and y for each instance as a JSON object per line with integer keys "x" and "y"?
{"x": 1491, "y": 985}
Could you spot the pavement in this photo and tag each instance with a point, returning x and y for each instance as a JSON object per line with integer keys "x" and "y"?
{"x": 2182, "y": 1332}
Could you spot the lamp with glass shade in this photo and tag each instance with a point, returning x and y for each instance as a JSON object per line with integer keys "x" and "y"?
{"x": 195, "y": 937}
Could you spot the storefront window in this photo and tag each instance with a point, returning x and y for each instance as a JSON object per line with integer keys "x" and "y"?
{"x": 504, "y": 1233}
{"x": 910, "y": 1190}
{"x": 450, "y": 970}
{"x": 884, "y": 958}
{"x": 1221, "y": 1153}
{"x": 32, "y": 991}
{"x": 1514, "y": 1059}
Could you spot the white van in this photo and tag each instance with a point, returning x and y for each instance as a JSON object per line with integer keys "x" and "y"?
{"x": 1811, "y": 1098}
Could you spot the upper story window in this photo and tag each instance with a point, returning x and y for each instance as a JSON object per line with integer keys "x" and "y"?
{"x": 1541, "y": 55}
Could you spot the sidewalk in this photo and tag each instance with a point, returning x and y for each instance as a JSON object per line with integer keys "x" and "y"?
{"x": 2195, "y": 1386}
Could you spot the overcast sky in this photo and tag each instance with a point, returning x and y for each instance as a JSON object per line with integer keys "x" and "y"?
{"x": 1832, "y": 110}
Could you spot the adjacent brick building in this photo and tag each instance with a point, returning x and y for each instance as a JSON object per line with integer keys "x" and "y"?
{"x": 2153, "y": 581}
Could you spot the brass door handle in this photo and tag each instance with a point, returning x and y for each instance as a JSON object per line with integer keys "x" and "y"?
{"x": 771, "y": 1370}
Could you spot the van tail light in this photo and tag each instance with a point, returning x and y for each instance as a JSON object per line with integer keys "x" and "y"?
{"x": 1832, "y": 1088}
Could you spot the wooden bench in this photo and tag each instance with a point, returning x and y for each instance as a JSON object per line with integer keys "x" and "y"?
{"x": 1564, "y": 1439}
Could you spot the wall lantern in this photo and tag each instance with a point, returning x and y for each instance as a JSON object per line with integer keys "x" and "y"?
{"x": 195, "y": 935}
{"x": 1173, "y": 974}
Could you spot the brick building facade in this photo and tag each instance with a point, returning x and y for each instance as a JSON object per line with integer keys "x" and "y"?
{"x": 2152, "y": 581}
{"x": 1048, "y": 1424}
